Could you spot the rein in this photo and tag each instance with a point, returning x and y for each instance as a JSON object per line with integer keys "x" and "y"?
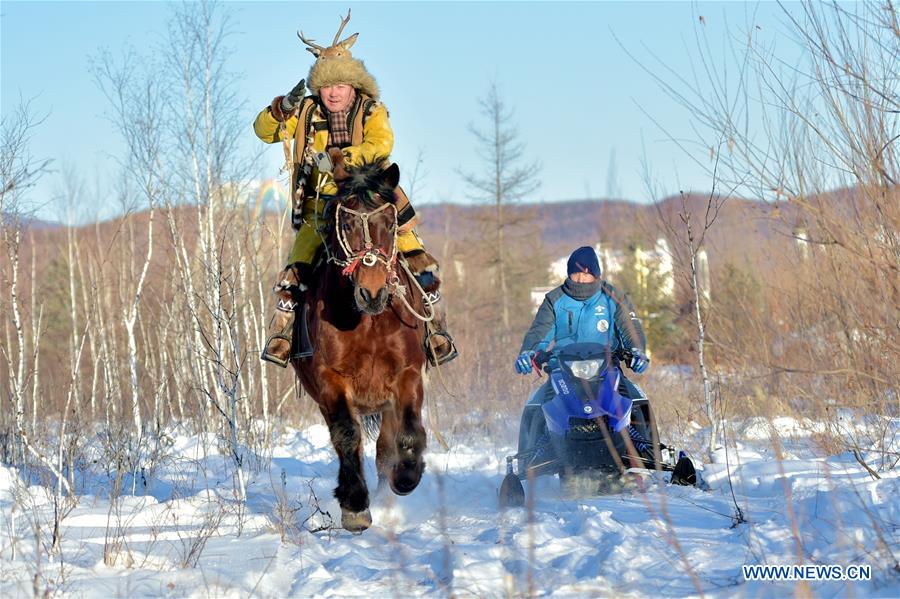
{"x": 400, "y": 291}
{"x": 369, "y": 255}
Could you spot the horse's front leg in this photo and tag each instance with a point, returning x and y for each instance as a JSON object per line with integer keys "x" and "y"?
{"x": 346, "y": 436}
{"x": 410, "y": 439}
{"x": 386, "y": 448}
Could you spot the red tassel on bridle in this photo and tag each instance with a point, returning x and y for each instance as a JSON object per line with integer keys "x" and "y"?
{"x": 369, "y": 256}
{"x": 348, "y": 270}
{"x": 360, "y": 257}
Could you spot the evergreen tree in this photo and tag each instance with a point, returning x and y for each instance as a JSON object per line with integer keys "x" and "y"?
{"x": 642, "y": 280}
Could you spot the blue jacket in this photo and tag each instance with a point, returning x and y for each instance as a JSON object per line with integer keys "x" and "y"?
{"x": 606, "y": 317}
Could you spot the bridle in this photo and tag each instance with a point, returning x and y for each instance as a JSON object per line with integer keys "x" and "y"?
{"x": 368, "y": 255}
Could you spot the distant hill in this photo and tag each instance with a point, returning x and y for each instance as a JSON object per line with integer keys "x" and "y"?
{"x": 741, "y": 230}
{"x": 28, "y": 223}
{"x": 746, "y": 232}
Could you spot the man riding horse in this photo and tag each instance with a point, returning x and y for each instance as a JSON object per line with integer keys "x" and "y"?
{"x": 340, "y": 125}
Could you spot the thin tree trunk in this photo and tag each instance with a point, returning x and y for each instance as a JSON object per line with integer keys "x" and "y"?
{"x": 87, "y": 301}
{"x": 71, "y": 250}
{"x": 259, "y": 333}
{"x": 19, "y": 380}
{"x": 708, "y": 399}
{"x": 498, "y": 183}
{"x": 501, "y": 269}
{"x": 130, "y": 320}
{"x": 35, "y": 340}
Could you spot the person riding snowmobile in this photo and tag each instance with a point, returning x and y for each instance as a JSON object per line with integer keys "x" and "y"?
{"x": 583, "y": 309}
{"x": 343, "y": 118}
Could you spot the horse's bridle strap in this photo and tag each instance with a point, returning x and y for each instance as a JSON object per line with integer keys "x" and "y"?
{"x": 368, "y": 255}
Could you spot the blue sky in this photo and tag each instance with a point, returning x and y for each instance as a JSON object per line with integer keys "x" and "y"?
{"x": 578, "y": 98}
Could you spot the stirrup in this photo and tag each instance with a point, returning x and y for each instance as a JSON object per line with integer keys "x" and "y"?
{"x": 284, "y": 335}
{"x": 430, "y": 352}
{"x": 267, "y": 357}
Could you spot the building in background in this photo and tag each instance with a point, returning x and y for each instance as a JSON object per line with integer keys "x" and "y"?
{"x": 654, "y": 264}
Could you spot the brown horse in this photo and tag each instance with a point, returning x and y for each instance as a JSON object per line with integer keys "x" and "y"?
{"x": 368, "y": 357}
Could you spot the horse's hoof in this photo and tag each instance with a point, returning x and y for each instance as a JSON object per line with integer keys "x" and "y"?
{"x": 404, "y": 482}
{"x": 356, "y": 522}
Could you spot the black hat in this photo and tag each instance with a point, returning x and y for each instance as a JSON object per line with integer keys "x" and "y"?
{"x": 584, "y": 259}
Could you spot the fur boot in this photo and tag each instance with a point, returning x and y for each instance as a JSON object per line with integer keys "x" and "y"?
{"x": 439, "y": 346}
{"x": 288, "y": 291}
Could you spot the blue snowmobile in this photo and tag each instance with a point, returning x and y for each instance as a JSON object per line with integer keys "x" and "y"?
{"x": 589, "y": 430}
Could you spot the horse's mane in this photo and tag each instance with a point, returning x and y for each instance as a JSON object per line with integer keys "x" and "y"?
{"x": 365, "y": 182}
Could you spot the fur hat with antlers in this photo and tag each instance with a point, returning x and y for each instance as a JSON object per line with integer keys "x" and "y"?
{"x": 335, "y": 64}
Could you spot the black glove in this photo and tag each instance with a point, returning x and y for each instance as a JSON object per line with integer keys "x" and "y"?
{"x": 638, "y": 361}
{"x": 293, "y": 97}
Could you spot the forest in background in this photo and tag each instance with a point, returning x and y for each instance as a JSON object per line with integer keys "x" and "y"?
{"x": 155, "y": 319}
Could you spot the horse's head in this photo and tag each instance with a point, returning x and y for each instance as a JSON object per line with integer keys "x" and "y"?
{"x": 365, "y": 233}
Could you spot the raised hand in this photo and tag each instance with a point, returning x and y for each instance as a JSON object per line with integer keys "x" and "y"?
{"x": 293, "y": 97}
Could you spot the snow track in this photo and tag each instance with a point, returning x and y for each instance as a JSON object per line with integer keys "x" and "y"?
{"x": 448, "y": 536}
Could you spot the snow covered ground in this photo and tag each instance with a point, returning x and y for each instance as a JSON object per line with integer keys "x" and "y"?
{"x": 178, "y": 539}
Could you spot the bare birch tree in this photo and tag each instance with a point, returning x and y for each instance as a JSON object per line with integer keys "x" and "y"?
{"x": 212, "y": 171}
{"x": 19, "y": 171}
{"x": 818, "y": 138}
{"x": 137, "y": 103}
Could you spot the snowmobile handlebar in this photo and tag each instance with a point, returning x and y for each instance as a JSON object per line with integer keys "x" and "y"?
{"x": 546, "y": 359}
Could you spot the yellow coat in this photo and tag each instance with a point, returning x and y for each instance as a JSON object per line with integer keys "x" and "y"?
{"x": 377, "y": 144}
{"x": 378, "y": 138}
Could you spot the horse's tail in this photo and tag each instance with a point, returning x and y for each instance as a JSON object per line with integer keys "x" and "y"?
{"x": 371, "y": 424}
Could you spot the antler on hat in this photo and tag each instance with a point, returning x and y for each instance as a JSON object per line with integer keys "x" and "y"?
{"x": 335, "y": 64}
{"x": 336, "y": 49}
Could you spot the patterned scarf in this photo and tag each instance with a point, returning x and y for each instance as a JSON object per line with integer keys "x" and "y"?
{"x": 338, "y": 127}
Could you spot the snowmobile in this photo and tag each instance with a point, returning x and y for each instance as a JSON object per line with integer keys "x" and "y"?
{"x": 589, "y": 430}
